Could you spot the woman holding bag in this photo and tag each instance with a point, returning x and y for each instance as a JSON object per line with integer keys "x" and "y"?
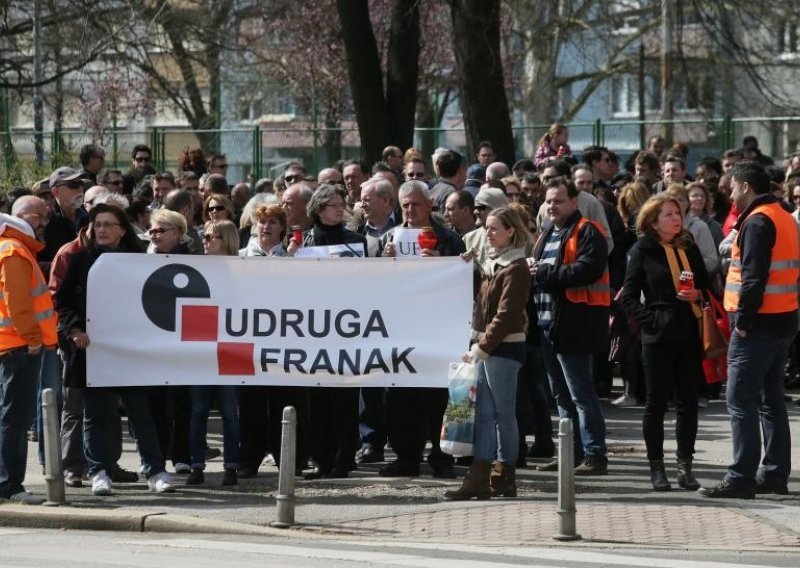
{"x": 667, "y": 268}
{"x": 499, "y": 321}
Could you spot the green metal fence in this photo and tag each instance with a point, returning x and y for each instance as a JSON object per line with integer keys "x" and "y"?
{"x": 263, "y": 152}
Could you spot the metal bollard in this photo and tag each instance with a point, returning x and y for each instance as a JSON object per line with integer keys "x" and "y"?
{"x": 285, "y": 497}
{"x": 566, "y": 482}
{"x": 54, "y": 475}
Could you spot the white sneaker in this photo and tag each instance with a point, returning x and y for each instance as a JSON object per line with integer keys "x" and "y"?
{"x": 142, "y": 470}
{"x": 181, "y": 467}
{"x": 161, "y": 483}
{"x": 26, "y": 498}
{"x": 101, "y": 484}
{"x": 625, "y": 400}
{"x": 269, "y": 460}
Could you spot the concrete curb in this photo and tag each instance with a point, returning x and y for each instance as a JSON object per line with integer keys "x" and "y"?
{"x": 127, "y": 520}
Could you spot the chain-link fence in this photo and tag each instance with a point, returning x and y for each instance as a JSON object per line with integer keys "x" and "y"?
{"x": 263, "y": 152}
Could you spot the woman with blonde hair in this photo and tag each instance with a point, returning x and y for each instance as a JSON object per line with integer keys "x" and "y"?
{"x": 552, "y": 145}
{"x": 659, "y": 268}
{"x": 217, "y": 207}
{"x": 269, "y": 233}
{"x": 499, "y": 324}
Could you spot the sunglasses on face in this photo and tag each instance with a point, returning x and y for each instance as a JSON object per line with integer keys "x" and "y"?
{"x": 208, "y": 237}
{"x": 216, "y": 208}
{"x": 158, "y": 231}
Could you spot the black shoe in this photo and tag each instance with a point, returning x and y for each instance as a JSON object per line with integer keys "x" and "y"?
{"x": 230, "y": 477}
{"x": 315, "y": 473}
{"x": 370, "y": 454}
{"x": 124, "y": 476}
{"x": 464, "y": 460}
{"x": 247, "y": 472}
{"x": 399, "y": 468}
{"x": 593, "y": 465}
{"x": 542, "y": 449}
{"x": 212, "y": 453}
{"x": 196, "y": 477}
{"x": 338, "y": 473}
{"x": 764, "y": 487}
{"x": 728, "y": 490}
{"x": 444, "y": 472}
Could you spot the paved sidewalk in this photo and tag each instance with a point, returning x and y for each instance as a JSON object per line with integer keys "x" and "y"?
{"x": 615, "y": 510}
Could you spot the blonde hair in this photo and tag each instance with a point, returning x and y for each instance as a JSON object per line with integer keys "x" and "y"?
{"x": 511, "y": 180}
{"x": 511, "y": 219}
{"x": 170, "y": 218}
{"x": 631, "y": 198}
{"x": 706, "y": 194}
{"x": 555, "y": 128}
{"x": 228, "y": 234}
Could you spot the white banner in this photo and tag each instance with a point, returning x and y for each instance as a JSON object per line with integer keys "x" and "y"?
{"x": 219, "y": 320}
{"x": 406, "y": 243}
{"x": 331, "y": 251}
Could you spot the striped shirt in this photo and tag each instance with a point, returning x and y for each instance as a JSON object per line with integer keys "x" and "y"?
{"x": 544, "y": 300}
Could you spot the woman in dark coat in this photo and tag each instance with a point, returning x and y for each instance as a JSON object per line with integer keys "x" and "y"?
{"x": 110, "y": 231}
{"x": 669, "y": 319}
{"x": 333, "y": 411}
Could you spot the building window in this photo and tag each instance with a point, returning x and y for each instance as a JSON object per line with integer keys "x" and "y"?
{"x": 788, "y": 39}
{"x": 625, "y": 94}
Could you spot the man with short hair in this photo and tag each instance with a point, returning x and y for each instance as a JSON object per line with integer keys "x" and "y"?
{"x": 92, "y": 195}
{"x": 330, "y": 176}
{"x": 761, "y": 300}
{"x": 656, "y": 145}
{"x": 29, "y": 328}
{"x": 294, "y": 172}
{"x": 452, "y": 173}
{"x": 415, "y": 414}
{"x": 392, "y": 156}
{"x": 646, "y": 169}
{"x": 497, "y": 171}
{"x": 673, "y": 171}
{"x": 217, "y": 164}
{"x": 730, "y": 158}
{"x": 573, "y": 297}
{"x": 163, "y": 183}
{"x": 415, "y": 170}
{"x": 68, "y": 213}
{"x": 216, "y": 183}
{"x": 240, "y": 195}
{"x": 354, "y": 174}
{"x": 180, "y": 201}
{"x": 486, "y": 154}
{"x": 294, "y": 201}
{"x": 602, "y": 163}
{"x": 458, "y": 212}
{"x": 190, "y": 182}
{"x": 112, "y": 180}
{"x": 93, "y": 158}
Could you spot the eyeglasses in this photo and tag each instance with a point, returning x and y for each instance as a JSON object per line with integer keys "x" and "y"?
{"x": 335, "y": 205}
{"x": 415, "y": 175}
{"x": 142, "y": 159}
{"x": 104, "y": 225}
{"x": 216, "y": 208}
{"x": 207, "y": 237}
{"x": 481, "y": 208}
{"x": 158, "y": 231}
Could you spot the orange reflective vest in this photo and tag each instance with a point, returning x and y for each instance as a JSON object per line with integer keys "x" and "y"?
{"x": 41, "y": 300}
{"x": 780, "y": 293}
{"x": 596, "y": 294}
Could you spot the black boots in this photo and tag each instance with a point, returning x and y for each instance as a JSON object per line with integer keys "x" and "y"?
{"x": 685, "y": 478}
{"x": 503, "y": 480}
{"x": 658, "y": 476}
{"x": 476, "y": 483}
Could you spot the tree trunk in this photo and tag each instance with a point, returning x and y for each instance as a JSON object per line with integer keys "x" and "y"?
{"x": 366, "y": 78}
{"x": 402, "y": 72}
{"x": 476, "y": 43}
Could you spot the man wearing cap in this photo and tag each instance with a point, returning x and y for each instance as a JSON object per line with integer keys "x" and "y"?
{"x": 476, "y": 177}
{"x": 488, "y": 198}
{"x": 27, "y": 327}
{"x": 449, "y": 165}
{"x": 68, "y": 212}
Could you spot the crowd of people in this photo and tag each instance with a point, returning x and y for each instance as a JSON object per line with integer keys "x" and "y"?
{"x": 558, "y": 243}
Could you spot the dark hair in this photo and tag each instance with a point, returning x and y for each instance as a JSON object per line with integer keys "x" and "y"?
{"x": 359, "y": 163}
{"x": 485, "y": 144}
{"x": 532, "y": 178}
{"x": 144, "y": 191}
{"x": 753, "y": 174}
{"x": 216, "y": 183}
{"x": 465, "y": 199}
{"x": 647, "y": 159}
{"x": 562, "y": 168}
{"x": 178, "y": 199}
{"x": 381, "y": 167}
{"x": 592, "y": 154}
{"x": 135, "y": 209}
{"x": 129, "y": 239}
{"x": 103, "y": 177}
{"x": 88, "y": 152}
{"x": 449, "y": 162}
{"x": 776, "y": 173}
{"x": 559, "y": 182}
{"x": 522, "y": 167}
{"x": 193, "y": 160}
{"x": 212, "y": 158}
{"x": 141, "y": 148}
{"x": 735, "y": 153}
{"x": 712, "y": 163}
{"x": 164, "y": 176}
{"x": 677, "y": 159}
{"x": 295, "y": 166}
{"x": 189, "y": 176}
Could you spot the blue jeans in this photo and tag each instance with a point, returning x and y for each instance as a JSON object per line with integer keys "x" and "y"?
{"x": 98, "y": 404}
{"x": 573, "y": 388}
{"x": 49, "y": 378}
{"x": 496, "y": 433}
{"x": 755, "y": 390}
{"x": 19, "y": 373}
{"x": 227, "y": 401}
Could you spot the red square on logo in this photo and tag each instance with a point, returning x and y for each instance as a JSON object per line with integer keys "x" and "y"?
{"x": 235, "y": 358}
{"x": 199, "y": 323}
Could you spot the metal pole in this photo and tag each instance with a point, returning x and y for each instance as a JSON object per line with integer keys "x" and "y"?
{"x": 566, "y": 482}
{"x": 667, "y": 91}
{"x": 38, "y": 103}
{"x": 52, "y": 450}
{"x": 285, "y": 497}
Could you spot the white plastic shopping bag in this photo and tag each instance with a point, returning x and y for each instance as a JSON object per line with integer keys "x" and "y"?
{"x": 458, "y": 425}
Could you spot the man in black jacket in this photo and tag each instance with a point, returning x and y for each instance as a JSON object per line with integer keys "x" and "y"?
{"x": 761, "y": 298}
{"x": 572, "y": 295}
